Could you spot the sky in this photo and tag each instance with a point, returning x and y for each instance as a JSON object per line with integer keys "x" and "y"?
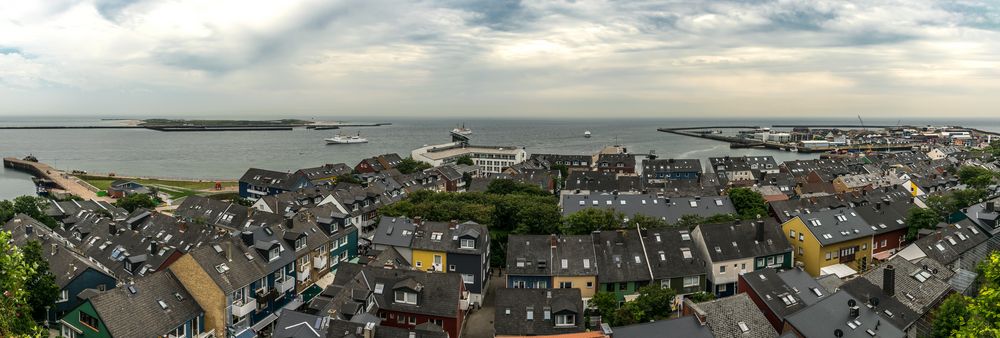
{"x": 497, "y": 58}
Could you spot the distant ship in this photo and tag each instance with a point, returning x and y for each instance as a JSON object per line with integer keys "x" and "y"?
{"x": 586, "y": 134}
{"x": 462, "y": 130}
{"x": 352, "y": 139}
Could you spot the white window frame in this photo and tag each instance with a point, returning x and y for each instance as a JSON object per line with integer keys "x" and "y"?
{"x": 691, "y": 281}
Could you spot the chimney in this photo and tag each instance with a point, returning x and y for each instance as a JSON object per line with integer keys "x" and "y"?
{"x": 889, "y": 280}
{"x": 29, "y": 229}
{"x": 760, "y": 231}
{"x": 153, "y": 247}
{"x": 418, "y": 221}
{"x": 369, "y": 330}
{"x": 990, "y": 206}
{"x": 855, "y": 312}
{"x": 247, "y": 238}
{"x": 452, "y": 224}
{"x": 112, "y": 229}
{"x": 289, "y": 224}
{"x": 553, "y": 241}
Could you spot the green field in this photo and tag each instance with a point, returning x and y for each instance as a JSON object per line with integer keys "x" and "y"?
{"x": 176, "y": 189}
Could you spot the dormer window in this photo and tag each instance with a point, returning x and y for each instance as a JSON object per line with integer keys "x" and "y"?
{"x": 566, "y": 320}
{"x": 436, "y": 236}
{"x": 300, "y": 243}
{"x": 273, "y": 254}
{"x": 468, "y": 243}
{"x": 406, "y": 297}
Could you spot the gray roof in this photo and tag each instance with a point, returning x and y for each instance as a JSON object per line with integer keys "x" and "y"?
{"x": 347, "y": 329}
{"x": 64, "y": 263}
{"x": 438, "y": 294}
{"x": 832, "y": 313}
{"x": 447, "y": 236}
{"x": 294, "y": 324}
{"x": 577, "y": 250}
{"x": 723, "y": 316}
{"x": 518, "y": 301}
{"x": 938, "y": 245}
{"x": 394, "y": 231}
{"x": 667, "y": 209}
{"x": 242, "y": 271}
{"x": 140, "y": 314}
{"x": 919, "y": 297}
{"x": 601, "y": 181}
{"x": 835, "y": 226}
{"x": 620, "y": 257}
{"x": 886, "y": 216}
{"x": 671, "y": 165}
{"x": 272, "y": 179}
{"x": 326, "y": 171}
{"x": 739, "y": 240}
{"x": 785, "y": 292}
{"x": 687, "y": 327}
{"x": 988, "y": 221}
{"x": 665, "y": 249}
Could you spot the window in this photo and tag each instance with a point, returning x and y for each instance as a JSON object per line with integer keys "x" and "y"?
{"x": 413, "y": 320}
{"x": 721, "y": 287}
{"x": 63, "y": 296}
{"x": 722, "y": 269}
{"x": 547, "y": 313}
{"x": 530, "y": 313}
{"x": 770, "y": 260}
{"x": 451, "y": 267}
{"x": 610, "y": 287}
{"x": 565, "y": 320}
{"x": 300, "y": 243}
{"x": 590, "y": 285}
{"x": 829, "y": 255}
{"x": 468, "y": 279}
{"x": 791, "y": 234}
{"x": 88, "y": 320}
{"x": 691, "y": 281}
{"x": 565, "y": 285}
{"x": 468, "y": 243}
{"x": 885, "y": 243}
{"x": 272, "y": 254}
{"x": 780, "y": 259}
{"x": 406, "y": 297}
{"x": 802, "y": 238}
{"x": 801, "y": 252}
{"x": 622, "y": 286}
{"x": 420, "y": 264}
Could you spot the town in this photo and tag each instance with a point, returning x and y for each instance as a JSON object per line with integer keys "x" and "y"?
{"x": 891, "y": 231}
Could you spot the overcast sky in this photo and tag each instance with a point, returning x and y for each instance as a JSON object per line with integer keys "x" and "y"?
{"x": 494, "y": 58}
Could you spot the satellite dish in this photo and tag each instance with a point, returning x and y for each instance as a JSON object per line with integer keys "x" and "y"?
{"x": 838, "y": 333}
{"x": 851, "y": 303}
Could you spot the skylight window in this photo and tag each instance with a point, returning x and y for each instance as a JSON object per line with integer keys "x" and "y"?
{"x": 163, "y": 305}
{"x": 718, "y": 202}
{"x": 663, "y": 256}
{"x": 379, "y": 288}
{"x": 817, "y": 292}
{"x": 564, "y": 263}
{"x": 743, "y": 327}
{"x": 951, "y": 240}
{"x": 637, "y": 260}
{"x": 686, "y": 253}
{"x": 586, "y": 263}
{"x": 694, "y": 204}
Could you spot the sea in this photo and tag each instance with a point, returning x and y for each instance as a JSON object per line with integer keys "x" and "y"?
{"x": 226, "y": 155}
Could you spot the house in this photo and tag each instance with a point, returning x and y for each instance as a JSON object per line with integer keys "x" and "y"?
{"x": 325, "y": 174}
{"x": 73, "y": 273}
{"x": 550, "y": 261}
{"x": 538, "y": 312}
{"x": 339, "y": 328}
{"x": 841, "y": 315}
{"x": 731, "y": 317}
{"x": 942, "y": 152}
{"x": 453, "y": 247}
{"x": 686, "y": 326}
{"x": 571, "y": 162}
{"x": 239, "y": 286}
{"x": 311, "y": 248}
{"x": 587, "y": 182}
{"x": 257, "y": 183}
{"x": 223, "y": 215}
{"x": 492, "y": 159}
{"x": 837, "y": 239}
{"x": 743, "y": 170}
{"x": 888, "y": 220}
{"x": 947, "y": 245}
{"x": 396, "y": 233}
{"x": 68, "y": 212}
{"x": 985, "y": 215}
{"x": 405, "y": 299}
{"x": 294, "y": 324}
{"x": 780, "y": 293}
{"x": 731, "y": 250}
{"x": 157, "y": 305}
{"x": 122, "y": 188}
{"x": 379, "y": 163}
{"x": 669, "y": 209}
{"x": 673, "y": 260}
{"x": 344, "y": 242}
{"x": 659, "y": 170}
{"x": 909, "y": 291}
{"x": 622, "y": 261}
{"x": 619, "y": 163}
{"x": 289, "y": 203}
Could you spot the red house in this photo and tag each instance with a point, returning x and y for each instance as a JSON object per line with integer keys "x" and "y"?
{"x": 378, "y": 163}
{"x": 888, "y": 219}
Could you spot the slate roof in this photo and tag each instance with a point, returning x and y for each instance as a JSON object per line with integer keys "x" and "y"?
{"x": 835, "y": 226}
{"x": 723, "y": 316}
{"x": 886, "y": 216}
{"x": 832, "y": 313}
{"x": 270, "y": 179}
{"x": 785, "y": 292}
{"x": 518, "y": 301}
{"x": 665, "y": 249}
{"x": 66, "y": 211}
{"x": 671, "y": 165}
{"x": 241, "y": 270}
{"x": 326, "y": 171}
{"x": 739, "y": 240}
{"x": 665, "y": 208}
{"x": 347, "y": 329}
{"x": 294, "y": 324}
{"x": 394, "y": 231}
{"x": 290, "y": 202}
{"x": 577, "y": 250}
{"x": 919, "y": 297}
{"x": 734, "y": 163}
{"x": 601, "y": 181}
{"x": 64, "y": 263}
{"x": 939, "y": 247}
{"x": 987, "y": 221}
{"x": 687, "y": 327}
{"x": 140, "y": 314}
{"x": 424, "y": 237}
{"x": 438, "y": 294}
{"x": 620, "y": 257}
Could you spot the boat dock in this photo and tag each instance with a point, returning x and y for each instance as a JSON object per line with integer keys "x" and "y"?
{"x": 737, "y": 142}
{"x": 58, "y": 178}
{"x": 207, "y": 128}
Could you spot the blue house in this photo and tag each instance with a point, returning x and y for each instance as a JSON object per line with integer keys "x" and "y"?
{"x": 528, "y": 265}
{"x": 654, "y": 171}
{"x": 257, "y": 183}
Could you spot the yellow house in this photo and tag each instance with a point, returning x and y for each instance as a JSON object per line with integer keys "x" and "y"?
{"x": 830, "y": 238}
{"x": 426, "y": 260}
{"x": 586, "y": 284}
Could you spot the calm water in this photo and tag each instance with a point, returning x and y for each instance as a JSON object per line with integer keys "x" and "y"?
{"x": 226, "y": 155}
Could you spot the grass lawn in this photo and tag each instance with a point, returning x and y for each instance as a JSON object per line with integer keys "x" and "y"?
{"x": 176, "y": 189}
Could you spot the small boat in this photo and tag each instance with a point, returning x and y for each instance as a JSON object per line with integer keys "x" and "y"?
{"x": 586, "y": 134}
{"x": 462, "y": 130}
{"x": 352, "y": 139}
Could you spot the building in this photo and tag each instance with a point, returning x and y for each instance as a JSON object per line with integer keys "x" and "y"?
{"x": 888, "y": 220}
{"x": 571, "y": 162}
{"x": 669, "y": 209}
{"x": 779, "y": 294}
{"x": 838, "y": 239}
{"x": 910, "y": 292}
{"x": 550, "y": 261}
{"x": 311, "y": 248}
{"x": 841, "y": 315}
{"x": 619, "y": 163}
{"x": 453, "y": 247}
{"x": 731, "y": 317}
{"x": 621, "y": 258}
{"x": 122, "y": 188}
{"x": 686, "y": 326}
{"x": 378, "y": 163}
{"x": 673, "y": 260}
{"x": 342, "y": 234}
{"x": 538, "y": 312}
{"x": 731, "y": 250}
{"x": 154, "y": 306}
{"x": 589, "y": 182}
{"x": 660, "y": 170}
{"x": 339, "y": 328}
{"x": 947, "y": 245}
{"x": 742, "y": 170}
{"x": 985, "y": 215}
{"x": 257, "y": 183}
{"x": 492, "y": 159}
{"x": 294, "y": 324}
{"x": 325, "y": 174}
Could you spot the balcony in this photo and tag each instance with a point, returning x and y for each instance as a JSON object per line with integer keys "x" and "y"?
{"x": 243, "y": 308}
{"x": 302, "y": 275}
{"x": 319, "y": 262}
{"x": 209, "y": 334}
{"x": 285, "y": 285}
{"x": 464, "y": 302}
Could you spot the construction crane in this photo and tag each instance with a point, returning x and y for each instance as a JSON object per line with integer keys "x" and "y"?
{"x": 862, "y": 122}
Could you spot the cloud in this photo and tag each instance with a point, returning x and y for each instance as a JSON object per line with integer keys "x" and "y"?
{"x": 497, "y": 57}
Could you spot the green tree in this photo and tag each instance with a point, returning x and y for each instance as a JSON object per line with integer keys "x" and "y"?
{"x": 920, "y": 218}
{"x": 628, "y": 314}
{"x": 949, "y": 316}
{"x": 655, "y": 301}
{"x": 28, "y": 205}
{"x": 6, "y": 211}
{"x": 975, "y": 176}
{"x": 749, "y": 204}
{"x": 348, "y": 178}
{"x": 588, "y": 220}
{"x": 15, "y": 312}
{"x": 466, "y": 160}
{"x": 409, "y": 165}
{"x": 981, "y": 314}
{"x": 41, "y": 282}
{"x": 701, "y": 296}
{"x": 689, "y": 221}
{"x": 647, "y": 222}
{"x": 506, "y": 187}
{"x": 136, "y": 201}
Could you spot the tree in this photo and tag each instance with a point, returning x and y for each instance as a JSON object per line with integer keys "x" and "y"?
{"x": 28, "y": 205}
{"x": 506, "y": 187}
{"x": 748, "y": 203}
{"x": 648, "y": 222}
{"x": 136, "y": 201}
{"x": 975, "y": 176}
{"x": 15, "y": 319}
{"x": 628, "y": 314}
{"x": 41, "y": 282}
{"x": 701, "y": 296}
{"x": 949, "y": 316}
{"x": 465, "y": 160}
{"x": 409, "y": 165}
{"x": 655, "y": 301}
{"x": 348, "y": 178}
{"x": 920, "y": 218}
{"x": 588, "y": 220}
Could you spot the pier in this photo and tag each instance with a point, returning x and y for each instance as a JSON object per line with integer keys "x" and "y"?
{"x": 737, "y": 142}
{"x": 208, "y": 128}
{"x": 64, "y": 181}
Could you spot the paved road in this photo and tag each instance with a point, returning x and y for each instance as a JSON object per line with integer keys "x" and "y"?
{"x": 479, "y": 324}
